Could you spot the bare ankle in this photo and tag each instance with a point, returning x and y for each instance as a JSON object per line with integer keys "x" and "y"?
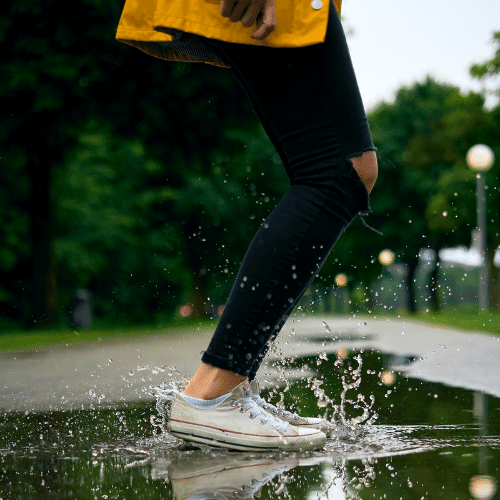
{"x": 210, "y": 382}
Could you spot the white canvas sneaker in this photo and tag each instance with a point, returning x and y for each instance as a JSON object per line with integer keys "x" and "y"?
{"x": 238, "y": 423}
{"x": 292, "y": 418}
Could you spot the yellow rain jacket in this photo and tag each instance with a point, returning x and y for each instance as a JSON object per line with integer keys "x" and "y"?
{"x": 144, "y": 23}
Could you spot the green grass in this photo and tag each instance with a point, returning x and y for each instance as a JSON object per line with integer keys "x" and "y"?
{"x": 465, "y": 319}
{"x": 30, "y": 339}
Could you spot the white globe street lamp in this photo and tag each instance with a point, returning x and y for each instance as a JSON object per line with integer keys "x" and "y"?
{"x": 480, "y": 158}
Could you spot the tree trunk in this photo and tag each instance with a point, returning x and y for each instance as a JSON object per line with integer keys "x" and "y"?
{"x": 410, "y": 284}
{"x": 494, "y": 281}
{"x": 199, "y": 296}
{"x": 43, "y": 293}
{"x": 435, "y": 304}
{"x": 195, "y": 252}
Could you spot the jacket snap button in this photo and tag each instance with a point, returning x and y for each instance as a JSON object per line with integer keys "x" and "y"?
{"x": 316, "y": 4}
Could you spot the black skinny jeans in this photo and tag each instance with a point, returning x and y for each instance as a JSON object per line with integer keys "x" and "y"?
{"x": 309, "y": 104}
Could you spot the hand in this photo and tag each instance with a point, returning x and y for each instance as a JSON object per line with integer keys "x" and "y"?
{"x": 262, "y": 13}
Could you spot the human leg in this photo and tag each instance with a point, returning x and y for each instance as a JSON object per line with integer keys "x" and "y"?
{"x": 309, "y": 103}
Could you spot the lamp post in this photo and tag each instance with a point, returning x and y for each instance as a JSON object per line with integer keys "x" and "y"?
{"x": 480, "y": 158}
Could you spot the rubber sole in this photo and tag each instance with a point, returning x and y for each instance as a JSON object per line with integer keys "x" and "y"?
{"x": 220, "y": 440}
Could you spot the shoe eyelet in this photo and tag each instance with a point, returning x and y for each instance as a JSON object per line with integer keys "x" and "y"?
{"x": 242, "y": 410}
{"x": 275, "y": 412}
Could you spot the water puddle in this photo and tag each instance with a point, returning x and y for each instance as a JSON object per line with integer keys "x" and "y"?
{"x": 399, "y": 438}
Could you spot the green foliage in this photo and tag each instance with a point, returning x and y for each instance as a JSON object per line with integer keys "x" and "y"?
{"x": 148, "y": 179}
{"x": 405, "y": 182}
{"x": 220, "y": 209}
{"x": 143, "y": 246}
{"x": 489, "y": 68}
{"x": 425, "y": 194}
{"x": 406, "y": 127}
{"x": 62, "y": 70}
{"x": 114, "y": 235}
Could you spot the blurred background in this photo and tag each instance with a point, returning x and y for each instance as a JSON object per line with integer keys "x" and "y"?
{"x": 131, "y": 187}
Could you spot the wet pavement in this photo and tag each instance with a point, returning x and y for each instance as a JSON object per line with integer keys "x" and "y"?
{"x": 417, "y": 408}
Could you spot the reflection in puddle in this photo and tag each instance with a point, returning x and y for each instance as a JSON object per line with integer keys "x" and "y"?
{"x": 428, "y": 442}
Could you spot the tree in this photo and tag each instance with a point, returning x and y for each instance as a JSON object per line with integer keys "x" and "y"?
{"x": 423, "y": 137}
{"x": 399, "y": 197}
{"x": 222, "y": 209}
{"x": 489, "y": 70}
{"x": 110, "y": 230}
{"x": 62, "y": 69}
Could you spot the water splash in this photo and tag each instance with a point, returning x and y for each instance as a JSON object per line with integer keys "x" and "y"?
{"x": 351, "y": 380}
{"x": 343, "y": 426}
{"x": 93, "y": 397}
{"x": 165, "y": 393}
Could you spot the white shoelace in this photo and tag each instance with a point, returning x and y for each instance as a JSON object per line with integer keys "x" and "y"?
{"x": 271, "y": 408}
{"x": 248, "y": 403}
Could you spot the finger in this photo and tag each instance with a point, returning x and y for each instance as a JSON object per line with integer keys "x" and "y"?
{"x": 238, "y": 11}
{"x": 263, "y": 32}
{"x": 265, "y": 26}
{"x": 249, "y": 18}
{"x": 226, "y": 7}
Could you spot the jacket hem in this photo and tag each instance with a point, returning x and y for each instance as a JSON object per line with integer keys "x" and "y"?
{"x": 162, "y": 24}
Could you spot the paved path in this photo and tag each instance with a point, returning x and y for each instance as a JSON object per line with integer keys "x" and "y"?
{"x": 457, "y": 358}
{"x": 80, "y": 375}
